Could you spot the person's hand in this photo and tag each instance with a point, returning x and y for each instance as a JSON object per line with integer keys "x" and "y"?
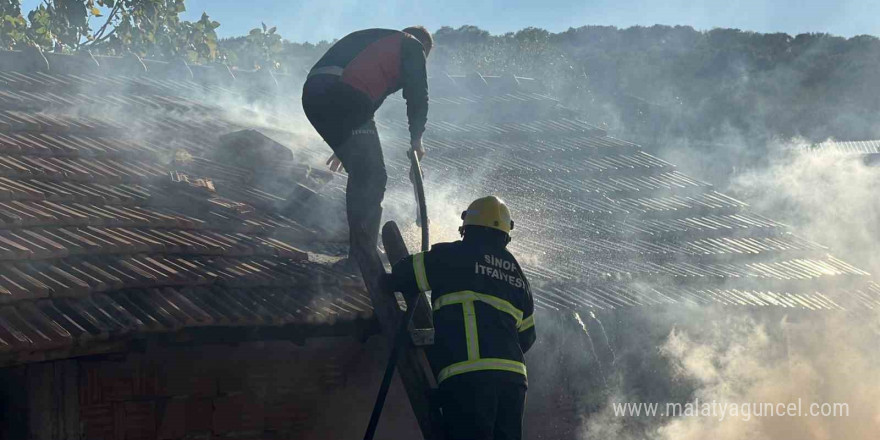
{"x": 418, "y": 148}
{"x": 334, "y": 163}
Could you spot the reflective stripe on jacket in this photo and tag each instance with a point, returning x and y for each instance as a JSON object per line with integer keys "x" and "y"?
{"x": 483, "y": 309}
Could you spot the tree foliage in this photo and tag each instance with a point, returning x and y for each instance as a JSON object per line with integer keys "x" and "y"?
{"x": 13, "y": 29}
{"x": 153, "y": 28}
{"x": 150, "y": 28}
{"x": 260, "y": 49}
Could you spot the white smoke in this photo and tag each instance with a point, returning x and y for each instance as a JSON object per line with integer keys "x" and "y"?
{"x": 823, "y": 359}
{"x": 742, "y": 357}
{"x": 826, "y": 196}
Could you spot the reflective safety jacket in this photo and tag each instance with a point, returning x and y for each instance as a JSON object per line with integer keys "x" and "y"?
{"x": 483, "y": 309}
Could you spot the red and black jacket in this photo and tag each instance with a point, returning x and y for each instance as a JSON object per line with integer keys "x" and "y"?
{"x": 379, "y": 62}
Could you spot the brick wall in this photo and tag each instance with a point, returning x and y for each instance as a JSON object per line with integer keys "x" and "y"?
{"x": 251, "y": 391}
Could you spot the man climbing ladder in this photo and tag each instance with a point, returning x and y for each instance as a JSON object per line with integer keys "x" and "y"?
{"x": 484, "y": 323}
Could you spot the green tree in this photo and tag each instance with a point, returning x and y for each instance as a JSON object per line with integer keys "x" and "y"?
{"x": 63, "y": 22}
{"x": 13, "y": 29}
{"x": 153, "y": 28}
{"x": 260, "y": 49}
{"x": 150, "y": 28}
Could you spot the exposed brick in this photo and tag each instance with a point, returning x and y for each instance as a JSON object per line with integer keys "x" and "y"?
{"x": 231, "y": 380}
{"x": 116, "y": 388}
{"x": 182, "y": 382}
{"x": 227, "y": 414}
{"x": 145, "y": 381}
{"x": 238, "y": 413}
{"x": 285, "y": 414}
{"x": 140, "y": 420}
{"x": 90, "y": 384}
{"x": 119, "y": 420}
{"x": 199, "y": 415}
{"x": 98, "y": 421}
{"x": 172, "y": 419}
{"x": 253, "y": 415}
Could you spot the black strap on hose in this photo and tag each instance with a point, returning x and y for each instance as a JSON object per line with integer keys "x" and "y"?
{"x": 400, "y": 340}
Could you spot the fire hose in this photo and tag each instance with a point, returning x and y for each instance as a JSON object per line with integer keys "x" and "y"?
{"x": 415, "y": 175}
{"x": 402, "y": 333}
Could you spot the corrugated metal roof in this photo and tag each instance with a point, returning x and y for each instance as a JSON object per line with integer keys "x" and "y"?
{"x": 99, "y": 239}
{"x": 848, "y": 147}
{"x": 598, "y": 217}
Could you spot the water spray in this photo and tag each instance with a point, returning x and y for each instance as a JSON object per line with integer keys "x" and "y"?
{"x": 577, "y": 317}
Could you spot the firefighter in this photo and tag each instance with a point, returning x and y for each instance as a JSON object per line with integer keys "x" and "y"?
{"x": 484, "y": 323}
{"x": 340, "y": 96}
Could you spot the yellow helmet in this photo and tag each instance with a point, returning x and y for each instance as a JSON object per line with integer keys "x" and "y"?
{"x": 490, "y": 212}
